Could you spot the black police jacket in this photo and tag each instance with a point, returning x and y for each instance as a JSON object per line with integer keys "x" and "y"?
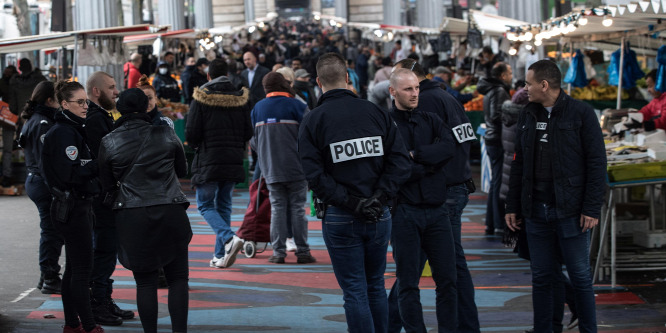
{"x": 99, "y": 123}
{"x": 434, "y": 99}
{"x": 432, "y": 146}
{"x": 153, "y": 178}
{"x": 158, "y": 119}
{"x": 349, "y": 146}
{"x": 578, "y": 160}
{"x": 32, "y": 136}
{"x": 67, "y": 162}
{"x": 495, "y": 93}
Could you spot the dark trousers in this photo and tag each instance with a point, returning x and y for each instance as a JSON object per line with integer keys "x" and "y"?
{"x": 418, "y": 230}
{"x": 105, "y": 242}
{"x": 77, "y": 232}
{"x": 495, "y": 208}
{"x": 177, "y": 274}
{"x": 50, "y": 240}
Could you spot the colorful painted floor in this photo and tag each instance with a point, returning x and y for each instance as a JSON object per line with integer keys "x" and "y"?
{"x": 256, "y": 296}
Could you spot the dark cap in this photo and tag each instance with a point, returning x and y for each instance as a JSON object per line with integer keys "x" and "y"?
{"x": 131, "y": 101}
{"x": 301, "y": 73}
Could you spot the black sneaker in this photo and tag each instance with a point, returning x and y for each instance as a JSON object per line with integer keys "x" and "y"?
{"x": 117, "y": 311}
{"x": 276, "y": 260}
{"x": 306, "y": 259}
{"x": 6, "y": 182}
{"x": 52, "y": 285}
{"x": 103, "y": 315}
{"x": 573, "y": 323}
{"x": 41, "y": 281}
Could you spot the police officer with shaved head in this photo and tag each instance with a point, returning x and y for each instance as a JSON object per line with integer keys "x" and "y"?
{"x": 354, "y": 160}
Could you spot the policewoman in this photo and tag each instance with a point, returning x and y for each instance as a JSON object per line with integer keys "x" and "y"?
{"x": 71, "y": 175}
{"x": 40, "y": 112}
{"x": 354, "y": 161}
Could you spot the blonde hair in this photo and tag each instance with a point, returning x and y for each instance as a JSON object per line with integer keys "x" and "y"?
{"x": 288, "y": 74}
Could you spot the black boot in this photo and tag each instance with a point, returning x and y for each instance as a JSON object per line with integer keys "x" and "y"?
{"x": 52, "y": 284}
{"x": 41, "y": 281}
{"x": 103, "y": 316}
{"x": 117, "y": 311}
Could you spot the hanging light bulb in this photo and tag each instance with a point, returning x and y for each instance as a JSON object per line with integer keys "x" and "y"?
{"x": 528, "y": 47}
{"x": 528, "y": 36}
{"x": 582, "y": 20}
{"x": 607, "y": 22}
{"x": 512, "y": 51}
{"x": 251, "y": 29}
{"x": 511, "y": 36}
{"x": 536, "y": 43}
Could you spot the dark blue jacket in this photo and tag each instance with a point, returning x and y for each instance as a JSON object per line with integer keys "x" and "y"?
{"x": 432, "y": 98}
{"x": 578, "y": 160}
{"x": 349, "y": 146}
{"x": 99, "y": 123}
{"x": 432, "y": 146}
{"x": 32, "y": 135}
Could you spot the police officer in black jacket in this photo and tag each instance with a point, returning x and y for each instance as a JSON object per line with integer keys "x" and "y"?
{"x": 420, "y": 219}
{"x": 354, "y": 160}
{"x": 459, "y": 184}
{"x": 102, "y": 93}
{"x": 71, "y": 172}
{"x": 40, "y": 112}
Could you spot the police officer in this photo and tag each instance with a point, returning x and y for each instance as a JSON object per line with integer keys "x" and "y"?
{"x": 71, "y": 173}
{"x": 40, "y": 111}
{"x": 420, "y": 219}
{"x": 354, "y": 161}
{"x": 459, "y": 184}
{"x": 102, "y": 94}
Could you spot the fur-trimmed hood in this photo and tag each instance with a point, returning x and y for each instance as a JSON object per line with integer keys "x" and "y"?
{"x": 221, "y": 93}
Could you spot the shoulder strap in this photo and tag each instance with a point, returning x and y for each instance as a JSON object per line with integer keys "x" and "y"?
{"x": 131, "y": 165}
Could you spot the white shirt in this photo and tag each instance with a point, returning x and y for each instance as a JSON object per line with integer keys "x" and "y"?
{"x": 250, "y": 75}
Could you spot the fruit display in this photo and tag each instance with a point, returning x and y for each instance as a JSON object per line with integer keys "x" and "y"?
{"x": 476, "y": 104}
{"x": 172, "y": 110}
{"x": 597, "y": 93}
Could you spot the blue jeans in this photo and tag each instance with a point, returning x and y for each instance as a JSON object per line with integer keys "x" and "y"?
{"x": 50, "y": 240}
{"x": 288, "y": 212}
{"x": 495, "y": 208}
{"x": 547, "y": 238}
{"x": 358, "y": 254}
{"x": 214, "y": 204}
{"x": 418, "y": 230}
{"x": 468, "y": 315}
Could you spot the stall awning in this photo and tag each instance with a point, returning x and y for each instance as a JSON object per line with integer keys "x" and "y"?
{"x": 63, "y": 39}
{"x": 148, "y": 39}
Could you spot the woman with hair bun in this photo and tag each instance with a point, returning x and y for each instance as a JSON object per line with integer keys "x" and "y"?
{"x": 40, "y": 113}
{"x": 157, "y": 118}
{"x": 71, "y": 173}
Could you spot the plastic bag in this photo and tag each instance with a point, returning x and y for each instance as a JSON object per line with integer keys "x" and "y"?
{"x": 630, "y": 72}
{"x": 88, "y": 55}
{"x": 661, "y": 71}
{"x": 576, "y": 73}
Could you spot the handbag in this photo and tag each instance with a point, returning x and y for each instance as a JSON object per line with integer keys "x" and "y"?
{"x": 111, "y": 195}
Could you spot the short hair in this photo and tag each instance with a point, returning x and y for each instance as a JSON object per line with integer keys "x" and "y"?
{"x": 95, "y": 79}
{"x": 168, "y": 53}
{"x": 386, "y": 61}
{"x": 288, "y": 73}
{"x": 395, "y": 76}
{"x": 652, "y": 75}
{"x": 331, "y": 69}
{"x": 218, "y": 67}
{"x": 412, "y": 65}
{"x": 297, "y": 59}
{"x": 547, "y": 70}
{"x": 350, "y": 61}
{"x": 487, "y": 50}
{"x": 499, "y": 69}
{"x": 25, "y": 65}
{"x": 135, "y": 57}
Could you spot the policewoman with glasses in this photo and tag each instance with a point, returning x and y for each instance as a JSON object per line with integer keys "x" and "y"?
{"x": 71, "y": 175}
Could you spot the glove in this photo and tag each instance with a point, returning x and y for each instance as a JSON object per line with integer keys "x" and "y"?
{"x": 373, "y": 207}
{"x": 633, "y": 120}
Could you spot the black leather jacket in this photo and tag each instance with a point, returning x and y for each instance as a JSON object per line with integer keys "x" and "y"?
{"x": 153, "y": 177}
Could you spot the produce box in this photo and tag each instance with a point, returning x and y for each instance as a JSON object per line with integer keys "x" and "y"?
{"x": 638, "y": 171}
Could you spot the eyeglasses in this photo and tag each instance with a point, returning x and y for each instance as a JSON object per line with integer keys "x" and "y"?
{"x": 80, "y": 102}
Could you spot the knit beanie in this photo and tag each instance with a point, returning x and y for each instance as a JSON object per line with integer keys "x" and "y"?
{"x": 132, "y": 100}
{"x": 520, "y": 97}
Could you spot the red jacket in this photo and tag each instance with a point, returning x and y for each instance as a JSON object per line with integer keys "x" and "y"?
{"x": 654, "y": 111}
{"x": 132, "y": 75}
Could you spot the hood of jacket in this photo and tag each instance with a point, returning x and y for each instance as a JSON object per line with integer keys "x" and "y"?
{"x": 510, "y": 112}
{"x": 221, "y": 92}
{"x": 487, "y": 84}
{"x": 428, "y": 85}
{"x": 46, "y": 111}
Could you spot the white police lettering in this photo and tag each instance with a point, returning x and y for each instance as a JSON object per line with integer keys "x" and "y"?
{"x": 72, "y": 152}
{"x": 541, "y": 126}
{"x": 464, "y": 132}
{"x": 357, "y": 148}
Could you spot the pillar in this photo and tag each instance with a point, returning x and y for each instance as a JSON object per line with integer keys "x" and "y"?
{"x": 392, "y": 12}
{"x": 429, "y": 13}
{"x": 172, "y": 12}
{"x": 249, "y": 11}
{"x": 341, "y": 9}
{"x": 203, "y": 14}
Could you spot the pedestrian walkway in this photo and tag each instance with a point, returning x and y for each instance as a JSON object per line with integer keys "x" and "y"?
{"x": 256, "y": 296}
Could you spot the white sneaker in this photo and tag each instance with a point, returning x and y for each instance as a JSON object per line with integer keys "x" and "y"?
{"x": 213, "y": 263}
{"x": 291, "y": 245}
{"x": 231, "y": 248}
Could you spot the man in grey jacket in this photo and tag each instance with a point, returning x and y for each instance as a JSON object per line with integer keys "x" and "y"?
{"x": 276, "y": 121}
